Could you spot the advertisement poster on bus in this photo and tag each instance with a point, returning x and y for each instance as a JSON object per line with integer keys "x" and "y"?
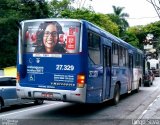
{"x": 51, "y": 37}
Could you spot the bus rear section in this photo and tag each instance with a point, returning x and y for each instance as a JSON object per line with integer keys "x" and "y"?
{"x": 50, "y": 62}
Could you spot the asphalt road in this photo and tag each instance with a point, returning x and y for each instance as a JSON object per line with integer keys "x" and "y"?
{"x": 131, "y": 107}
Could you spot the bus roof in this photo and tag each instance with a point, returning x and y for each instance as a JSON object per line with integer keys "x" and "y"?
{"x": 113, "y": 37}
{"x": 52, "y": 19}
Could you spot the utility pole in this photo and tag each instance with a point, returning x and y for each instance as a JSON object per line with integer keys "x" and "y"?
{"x": 156, "y": 5}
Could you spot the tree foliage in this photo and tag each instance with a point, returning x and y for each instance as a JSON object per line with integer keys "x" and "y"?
{"x": 141, "y": 32}
{"x": 57, "y": 8}
{"x": 103, "y": 20}
{"x": 118, "y": 17}
{"x": 11, "y": 12}
{"x": 153, "y": 28}
{"x": 8, "y": 32}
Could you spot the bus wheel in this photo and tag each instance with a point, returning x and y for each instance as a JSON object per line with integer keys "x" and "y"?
{"x": 116, "y": 97}
{"x": 38, "y": 101}
{"x": 137, "y": 90}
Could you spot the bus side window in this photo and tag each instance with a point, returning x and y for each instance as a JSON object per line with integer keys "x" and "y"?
{"x": 94, "y": 47}
{"x": 124, "y": 57}
{"x": 137, "y": 60}
{"x": 120, "y": 56}
{"x": 115, "y": 54}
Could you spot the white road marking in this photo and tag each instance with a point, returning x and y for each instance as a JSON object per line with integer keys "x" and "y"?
{"x": 31, "y": 109}
{"x": 140, "y": 119}
{"x": 145, "y": 111}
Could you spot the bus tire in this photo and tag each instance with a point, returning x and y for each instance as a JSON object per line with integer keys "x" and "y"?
{"x": 139, "y": 84}
{"x": 116, "y": 96}
{"x": 38, "y": 101}
{"x": 137, "y": 90}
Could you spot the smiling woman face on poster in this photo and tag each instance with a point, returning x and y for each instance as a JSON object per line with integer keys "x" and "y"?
{"x": 48, "y": 38}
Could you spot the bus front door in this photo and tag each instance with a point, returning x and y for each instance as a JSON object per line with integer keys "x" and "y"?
{"x": 106, "y": 71}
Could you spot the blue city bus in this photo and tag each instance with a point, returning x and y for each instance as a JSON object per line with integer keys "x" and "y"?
{"x": 85, "y": 65}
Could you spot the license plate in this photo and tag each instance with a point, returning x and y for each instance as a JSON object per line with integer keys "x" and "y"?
{"x": 47, "y": 95}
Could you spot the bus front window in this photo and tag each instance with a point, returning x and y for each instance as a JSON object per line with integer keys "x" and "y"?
{"x": 52, "y": 37}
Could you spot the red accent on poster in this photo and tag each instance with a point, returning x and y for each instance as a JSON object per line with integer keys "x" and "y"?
{"x": 27, "y": 35}
{"x": 61, "y": 38}
{"x": 33, "y": 37}
{"x": 71, "y": 31}
{"x": 71, "y": 42}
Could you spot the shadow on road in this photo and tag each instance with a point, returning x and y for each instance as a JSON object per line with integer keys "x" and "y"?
{"x": 72, "y": 110}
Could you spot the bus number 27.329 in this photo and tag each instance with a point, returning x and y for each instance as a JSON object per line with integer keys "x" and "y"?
{"x": 65, "y": 67}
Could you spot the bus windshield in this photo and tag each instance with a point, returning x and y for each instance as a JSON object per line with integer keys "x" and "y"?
{"x": 51, "y": 37}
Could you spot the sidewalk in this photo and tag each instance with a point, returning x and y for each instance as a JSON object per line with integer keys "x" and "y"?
{"x": 153, "y": 110}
